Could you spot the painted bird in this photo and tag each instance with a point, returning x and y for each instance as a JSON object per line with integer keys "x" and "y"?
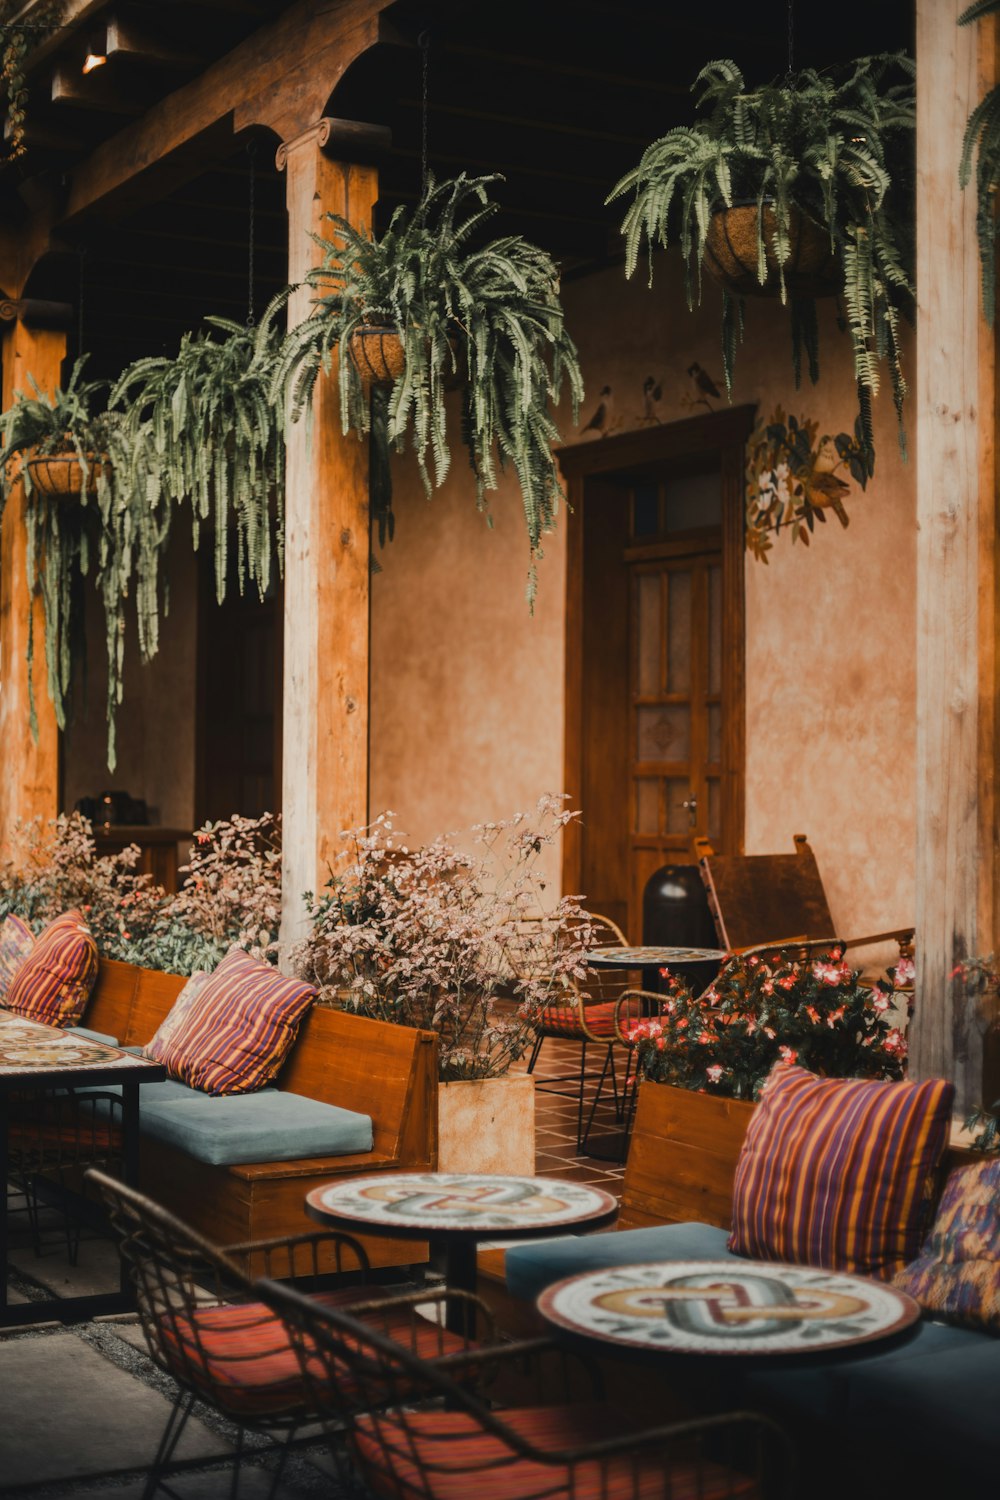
{"x": 652, "y": 395}
{"x": 704, "y": 385}
{"x": 601, "y": 420}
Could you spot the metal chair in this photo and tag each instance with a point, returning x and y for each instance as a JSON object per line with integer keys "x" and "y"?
{"x": 585, "y": 1016}
{"x": 207, "y": 1330}
{"x": 53, "y": 1137}
{"x": 422, "y": 1430}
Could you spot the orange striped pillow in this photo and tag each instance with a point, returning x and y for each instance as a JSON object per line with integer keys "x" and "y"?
{"x": 16, "y": 942}
{"x": 233, "y": 1034}
{"x": 838, "y": 1172}
{"x": 54, "y": 982}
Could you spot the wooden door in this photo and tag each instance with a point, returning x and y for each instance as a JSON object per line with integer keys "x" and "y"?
{"x": 676, "y": 711}
{"x": 654, "y": 654}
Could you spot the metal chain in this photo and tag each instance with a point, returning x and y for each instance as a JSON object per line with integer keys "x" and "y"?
{"x": 791, "y": 39}
{"x": 79, "y": 304}
{"x": 424, "y": 43}
{"x": 252, "y": 154}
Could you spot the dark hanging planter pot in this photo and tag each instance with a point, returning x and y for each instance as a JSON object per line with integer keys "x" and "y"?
{"x": 811, "y": 270}
{"x": 59, "y": 476}
{"x": 378, "y": 354}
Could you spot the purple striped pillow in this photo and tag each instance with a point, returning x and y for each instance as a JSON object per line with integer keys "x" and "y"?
{"x": 234, "y": 1034}
{"x": 54, "y": 982}
{"x": 16, "y": 942}
{"x": 839, "y": 1172}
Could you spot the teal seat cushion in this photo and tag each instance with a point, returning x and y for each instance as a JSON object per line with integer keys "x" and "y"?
{"x": 531, "y": 1267}
{"x": 92, "y": 1036}
{"x": 225, "y": 1129}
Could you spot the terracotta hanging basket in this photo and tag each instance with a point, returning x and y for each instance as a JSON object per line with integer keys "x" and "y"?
{"x": 59, "y": 476}
{"x": 378, "y": 354}
{"x": 811, "y": 270}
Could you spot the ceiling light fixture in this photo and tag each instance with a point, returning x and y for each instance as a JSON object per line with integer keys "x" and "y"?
{"x": 93, "y": 60}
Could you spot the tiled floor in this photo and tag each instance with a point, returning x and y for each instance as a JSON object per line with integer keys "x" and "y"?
{"x": 556, "y": 1121}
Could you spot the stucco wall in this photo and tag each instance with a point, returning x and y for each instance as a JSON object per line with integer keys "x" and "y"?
{"x": 467, "y": 687}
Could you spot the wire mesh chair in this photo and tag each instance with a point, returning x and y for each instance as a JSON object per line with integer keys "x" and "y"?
{"x": 585, "y": 1015}
{"x": 422, "y": 1430}
{"x": 206, "y": 1329}
{"x": 53, "y": 1137}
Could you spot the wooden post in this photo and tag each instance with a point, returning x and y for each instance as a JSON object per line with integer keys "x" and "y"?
{"x": 325, "y": 729}
{"x": 29, "y": 785}
{"x": 957, "y": 563}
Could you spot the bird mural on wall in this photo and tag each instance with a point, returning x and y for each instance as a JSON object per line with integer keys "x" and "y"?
{"x": 652, "y": 395}
{"x": 705, "y": 387}
{"x": 600, "y": 423}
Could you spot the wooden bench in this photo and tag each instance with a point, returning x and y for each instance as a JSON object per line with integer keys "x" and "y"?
{"x": 385, "y": 1071}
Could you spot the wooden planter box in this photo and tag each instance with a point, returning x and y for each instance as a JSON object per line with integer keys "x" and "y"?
{"x": 487, "y": 1125}
{"x": 682, "y": 1159}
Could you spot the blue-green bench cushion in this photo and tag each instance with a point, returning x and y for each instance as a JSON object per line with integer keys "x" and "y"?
{"x": 531, "y": 1267}
{"x": 270, "y": 1125}
{"x": 92, "y": 1036}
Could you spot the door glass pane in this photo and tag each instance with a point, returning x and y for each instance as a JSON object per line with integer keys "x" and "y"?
{"x": 678, "y": 632}
{"x": 693, "y": 500}
{"x": 715, "y": 630}
{"x": 664, "y": 732}
{"x": 645, "y": 510}
{"x": 648, "y": 634}
{"x": 714, "y": 733}
{"x": 678, "y": 789}
{"x": 647, "y": 805}
{"x": 714, "y": 808}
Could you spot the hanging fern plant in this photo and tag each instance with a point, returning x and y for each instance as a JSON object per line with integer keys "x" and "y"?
{"x": 487, "y": 316}
{"x": 18, "y": 34}
{"x": 982, "y": 140}
{"x": 203, "y": 428}
{"x": 818, "y": 157}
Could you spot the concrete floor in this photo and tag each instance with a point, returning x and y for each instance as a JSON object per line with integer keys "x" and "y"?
{"x": 82, "y": 1407}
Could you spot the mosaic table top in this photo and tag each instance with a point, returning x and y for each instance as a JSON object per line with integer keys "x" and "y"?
{"x": 718, "y": 1307}
{"x": 442, "y": 1202}
{"x": 646, "y": 958}
{"x": 28, "y": 1047}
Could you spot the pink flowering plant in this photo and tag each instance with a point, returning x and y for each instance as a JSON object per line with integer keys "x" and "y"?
{"x": 768, "y": 1009}
{"x": 464, "y": 944}
{"x": 231, "y": 896}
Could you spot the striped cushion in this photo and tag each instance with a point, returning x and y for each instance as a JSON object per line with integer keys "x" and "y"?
{"x": 564, "y": 1020}
{"x": 233, "y": 1037}
{"x": 16, "y": 942}
{"x": 838, "y": 1172}
{"x": 239, "y": 1354}
{"x": 175, "y": 1020}
{"x": 956, "y": 1276}
{"x": 468, "y": 1461}
{"x": 54, "y": 982}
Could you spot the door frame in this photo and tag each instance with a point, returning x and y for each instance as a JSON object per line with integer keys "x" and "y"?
{"x": 724, "y": 433}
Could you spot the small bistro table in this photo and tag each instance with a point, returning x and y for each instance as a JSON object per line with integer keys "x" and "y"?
{"x": 748, "y": 1308}
{"x": 454, "y": 1210}
{"x": 34, "y": 1056}
{"x": 652, "y": 959}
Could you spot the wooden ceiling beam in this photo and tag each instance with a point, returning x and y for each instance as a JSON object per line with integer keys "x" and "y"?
{"x": 121, "y": 40}
{"x": 90, "y": 92}
{"x": 280, "y": 77}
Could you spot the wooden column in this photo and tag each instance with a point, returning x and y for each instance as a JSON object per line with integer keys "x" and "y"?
{"x": 29, "y": 784}
{"x": 325, "y": 733}
{"x": 957, "y": 565}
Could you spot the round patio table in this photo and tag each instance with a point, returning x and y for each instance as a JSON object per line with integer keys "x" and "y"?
{"x": 651, "y": 959}
{"x": 726, "y": 1307}
{"x": 454, "y": 1210}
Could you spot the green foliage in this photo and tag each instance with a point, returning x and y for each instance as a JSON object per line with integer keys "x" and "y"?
{"x": 231, "y": 897}
{"x": 765, "y": 1010}
{"x": 836, "y": 147}
{"x": 793, "y": 477}
{"x": 489, "y": 313}
{"x": 982, "y": 140}
{"x": 17, "y": 37}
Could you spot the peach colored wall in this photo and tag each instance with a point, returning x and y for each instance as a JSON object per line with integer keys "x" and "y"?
{"x": 467, "y": 688}
{"x": 156, "y": 721}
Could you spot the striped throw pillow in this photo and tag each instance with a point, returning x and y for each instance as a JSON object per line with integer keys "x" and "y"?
{"x": 16, "y": 942}
{"x": 54, "y": 982}
{"x": 233, "y": 1036}
{"x": 839, "y": 1172}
